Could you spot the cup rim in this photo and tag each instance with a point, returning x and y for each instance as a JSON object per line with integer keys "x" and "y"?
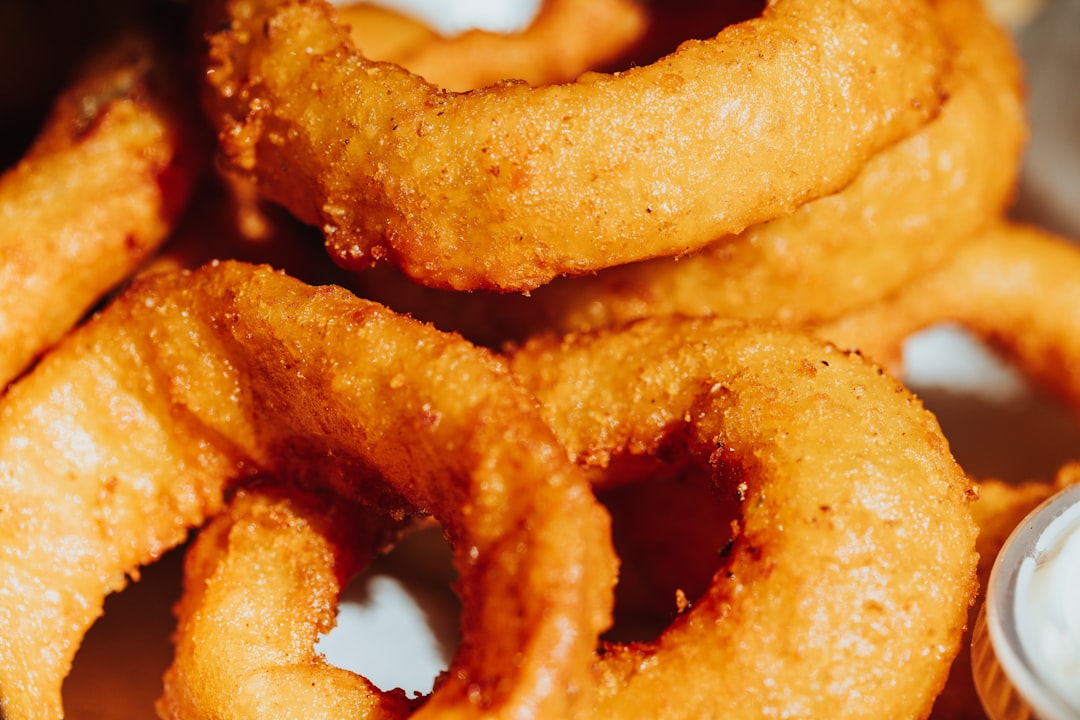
{"x": 1051, "y": 520}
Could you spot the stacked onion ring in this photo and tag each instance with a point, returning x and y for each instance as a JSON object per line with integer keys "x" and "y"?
{"x": 693, "y": 276}
{"x": 508, "y": 186}
{"x": 191, "y": 381}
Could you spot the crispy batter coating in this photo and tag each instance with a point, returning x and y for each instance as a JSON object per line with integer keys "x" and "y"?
{"x": 911, "y": 205}
{"x": 95, "y": 195}
{"x": 837, "y": 165}
{"x": 806, "y": 614}
{"x": 846, "y": 588}
{"x": 509, "y": 186}
{"x": 1016, "y": 287}
{"x": 125, "y": 435}
{"x": 241, "y": 653}
{"x": 566, "y": 38}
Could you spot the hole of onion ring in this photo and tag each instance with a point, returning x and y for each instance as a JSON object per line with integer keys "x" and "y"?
{"x": 670, "y": 532}
{"x": 670, "y": 23}
{"x": 674, "y": 21}
{"x": 997, "y": 423}
{"x": 453, "y": 17}
{"x": 117, "y": 670}
{"x": 398, "y": 621}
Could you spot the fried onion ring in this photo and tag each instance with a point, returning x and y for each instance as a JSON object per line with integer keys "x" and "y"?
{"x": 299, "y": 549}
{"x": 125, "y": 435}
{"x": 806, "y": 615}
{"x": 95, "y": 195}
{"x": 845, "y": 590}
{"x": 565, "y": 39}
{"x": 911, "y": 206}
{"x": 509, "y": 186}
{"x": 1016, "y": 287}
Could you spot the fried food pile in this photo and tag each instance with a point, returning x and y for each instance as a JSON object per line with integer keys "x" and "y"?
{"x": 618, "y": 302}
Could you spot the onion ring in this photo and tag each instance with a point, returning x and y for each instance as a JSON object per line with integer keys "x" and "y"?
{"x": 565, "y": 39}
{"x": 805, "y": 617}
{"x": 125, "y": 435}
{"x": 94, "y": 196}
{"x": 1017, "y": 289}
{"x": 299, "y": 549}
{"x": 855, "y": 525}
{"x": 911, "y": 205}
{"x": 999, "y": 287}
{"x": 510, "y": 186}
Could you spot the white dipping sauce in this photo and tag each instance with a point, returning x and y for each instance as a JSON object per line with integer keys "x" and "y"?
{"x": 1025, "y": 647}
{"x": 1047, "y": 608}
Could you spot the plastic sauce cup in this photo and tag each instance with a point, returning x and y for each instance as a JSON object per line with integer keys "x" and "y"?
{"x": 1025, "y": 650}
